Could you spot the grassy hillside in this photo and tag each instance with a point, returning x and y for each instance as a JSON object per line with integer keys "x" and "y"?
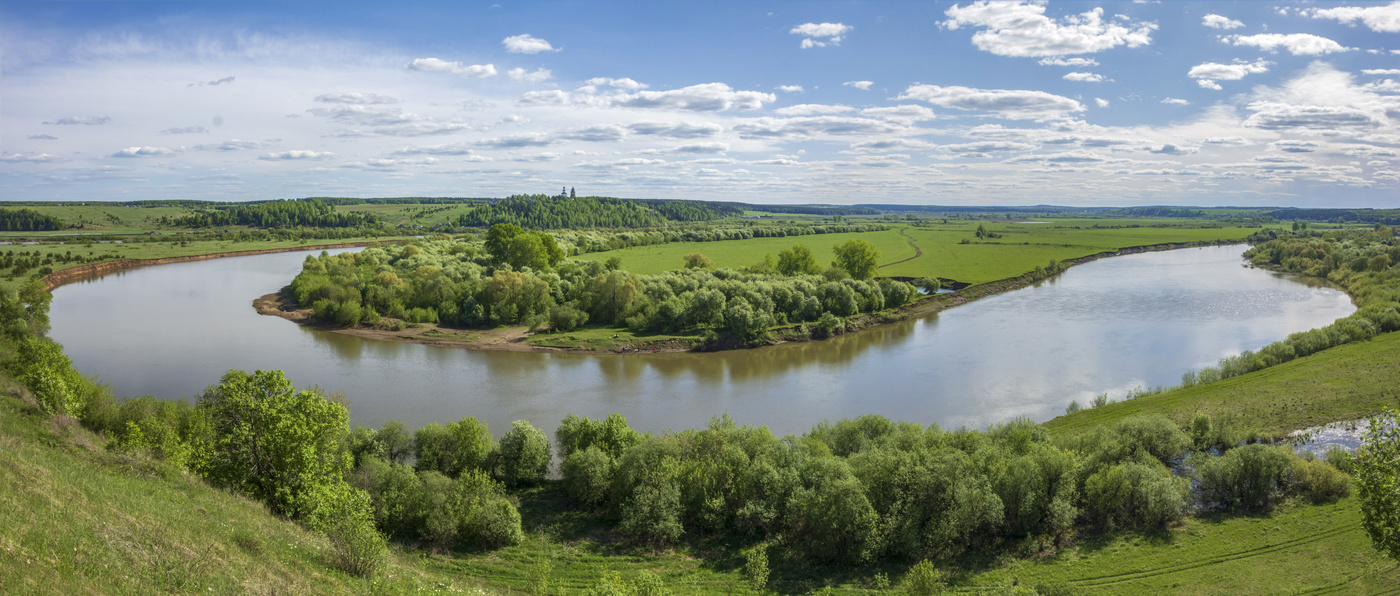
{"x": 1347, "y": 382}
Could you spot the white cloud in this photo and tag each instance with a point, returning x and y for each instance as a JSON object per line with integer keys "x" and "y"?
{"x": 551, "y": 97}
{"x": 820, "y": 35}
{"x": 1016, "y": 28}
{"x": 1384, "y": 19}
{"x": 1176, "y": 101}
{"x": 987, "y": 147}
{"x": 215, "y": 83}
{"x": 1101, "y": 102}
{"x": 469, "y": 71}
{"x": 450, "y": 149}
{"x": 701, "y": 148}
{"x": 88, "y": 120}
{"x": 893, "y": 144}
{"x": 297, "y": 154}
{"x": 1321, "y": 99}
{"x": 357, "y": 98}
{"x": 1172, "y": 149}
{"x": 517, "y": 141}
{"x": 30, "y": 158}
{"x": 708, "y": 97}
{"x": 1298, "y": 44}
{"x": 624, "y": 83}
{"x": 526, "y": 44}
{"x": 812, "y": 109}
{"x": 1381, "y": 71}
{"x": 1294, "y": 146}
{"x": 1084, "y": 77}
{"x": 1216, "y": 21}
{"x": 812, "y": 126}
{"x": 1227, "y": 72}
{"x": 905, "y": 114}
{"x": 681, "y": 130}
{"x": 42, "y": 138}
{"x": 185, "y": 130}
{"x": 525, "y": 76}
{"x": 862, "y": 85}
{"x": 142, "y": 152}
{"x": 791, "y": 89}
{"x": 1015, "y": 104}
{"x": 602, "y": 133}
{"x": 231, "y": 145}
{"x": 1209, "y": 84}
{"x": 1076, "y": 62}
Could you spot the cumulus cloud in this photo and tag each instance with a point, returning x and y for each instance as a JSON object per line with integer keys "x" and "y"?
{"x": 1101, "y": 102}
{"x": 469, "y": 71}
{"x": 30, "y": 158}
{"x": 1381, "y": 71}
{"x": 296, "y": 154}
{"x": 862, "y": 85}
{"x": 356, "y": 98}
{"x": 142, "y": 152}
{"x": 988, "y": 147}
{"x": 707, "y": 97}
{"x": 231, "y": 145}
{"x": 820, "y": 35}
{"x": 1298, "y": 44}
{"x": 1216, "y": 21}
{"x": 1076, "y": 62}
{"x": 905, "y": 114}
{"x": 526, "y": 44}
{"x": 88, "y": 120}
{"x": 1294, "y": 146}
{"x": 812, "y": 126}
{"x": 185, "y": 130}
{"x": 1013, "y": 104}
{"x": 603, "y": 133}
{"x": 517, "y": 141}
{"x": 214, "y": 83}
{"x": 681, "y": 130}
{"x": 1176, "y": 101}
{"x": 1084, "y": 77}
{"x": 1018, "y": 28}
{"x": 812, "y": 109}
{"x": 1321, "y": 99}
{"x": 893, "y": 144}
{"x": 550, "y": 97}
{"x": 623, "y": 83}
{"x": 42, "y": 138}
{"x": 450, "y": 149}
{"x": 525, "y": 76}
{"x": 1206, "y": 74}
{"x": 791, "y": 88}
{"x": 1384, "y": 19}
{"x": 1171, "y": 149}
{"x": 707, "y": 148}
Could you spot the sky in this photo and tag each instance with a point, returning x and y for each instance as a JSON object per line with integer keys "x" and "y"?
{"x": 950, "y": 103}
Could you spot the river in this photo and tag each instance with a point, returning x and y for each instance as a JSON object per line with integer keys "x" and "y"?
{"x": 1108, "y": 325}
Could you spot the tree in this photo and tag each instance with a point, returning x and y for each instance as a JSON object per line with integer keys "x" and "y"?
{"x": 524, "y": 454}
{"x": 1378, "y": 482}
{"x": 498, "y": 239}
{"x": 858, "y": 257}
{"x": 272, "y": 442}
{"x": 798, "y": 260}
{"x": 696, "y": 260}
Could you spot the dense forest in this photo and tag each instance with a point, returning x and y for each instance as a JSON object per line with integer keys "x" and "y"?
{"x": 1388, "y": 217}
{"x": 540, "y": 212}
{"x": 277, "y": 215}
{"x": 516, "y": 277}
{"x": 27, "y": 220}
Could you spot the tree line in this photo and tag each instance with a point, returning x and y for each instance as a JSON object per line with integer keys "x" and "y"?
{"x": 276, "y": 214}
{"x": 520, "y": 277}
{"x": 28, "y": 220}
{"x": 542, "y": 212}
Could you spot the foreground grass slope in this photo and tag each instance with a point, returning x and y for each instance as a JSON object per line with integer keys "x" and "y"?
{"x": 75, "y": 519}
{"x": 1347, "y": 382}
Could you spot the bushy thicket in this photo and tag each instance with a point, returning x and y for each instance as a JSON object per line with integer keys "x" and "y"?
{"x": 277, "y": 214}
{"x": 462, "y": 283}
{"x": 27, "y": 220}
{"x": 1362, "y": 262}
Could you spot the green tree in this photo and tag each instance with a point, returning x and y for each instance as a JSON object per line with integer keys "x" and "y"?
{"x": 798, "y": 260}
{"x": 524, "y": 454}
{"x": 272, "y": 442}
{"x": 858, "y": 257}
{"x": 498, "y": 240}
{"x": 696, "y": 260}
{"x": 1378, "y": 482}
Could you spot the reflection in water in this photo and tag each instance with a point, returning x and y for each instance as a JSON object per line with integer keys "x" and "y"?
{"x": 1105, "y": 326}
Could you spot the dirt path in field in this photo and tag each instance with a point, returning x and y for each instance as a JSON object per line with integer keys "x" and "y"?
{"x": 918, "y": 252}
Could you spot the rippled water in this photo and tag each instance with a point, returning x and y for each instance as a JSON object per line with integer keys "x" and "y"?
{"x": 1109, "y": 325}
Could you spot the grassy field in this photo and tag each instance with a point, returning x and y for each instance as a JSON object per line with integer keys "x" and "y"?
{"x": 1347, "y": 382}
{"x": 98, "y": 218}
{"x": 1021, "y": 248}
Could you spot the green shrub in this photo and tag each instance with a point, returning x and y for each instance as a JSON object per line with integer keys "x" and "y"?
{"x": 1247, "y": 478}
{"x": 587, "y": 475}
{"x": 1319, "y": 481}
{"x": 756, "y": 567}
{"x": 524, "y": 454}
{"x": 345, "y": 516}
{"x": 1135, "y": 495}
{"x": 923, "y": 579}
{"x": 452, "y": 449}
{"x": 1341, "y": 459}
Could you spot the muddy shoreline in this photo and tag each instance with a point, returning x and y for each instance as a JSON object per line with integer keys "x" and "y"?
{"x": 513, "y": 339}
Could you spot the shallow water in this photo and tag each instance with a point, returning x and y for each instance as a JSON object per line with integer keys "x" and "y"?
{"x": 1109, "y": 325}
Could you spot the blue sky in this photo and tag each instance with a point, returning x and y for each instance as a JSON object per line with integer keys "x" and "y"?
{"x": 987, "y": 102}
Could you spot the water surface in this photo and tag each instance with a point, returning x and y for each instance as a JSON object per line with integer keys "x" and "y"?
{"x": 1109, "y": 325}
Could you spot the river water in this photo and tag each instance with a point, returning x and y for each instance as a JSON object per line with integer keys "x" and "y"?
{"x": 1109, "y": 325}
